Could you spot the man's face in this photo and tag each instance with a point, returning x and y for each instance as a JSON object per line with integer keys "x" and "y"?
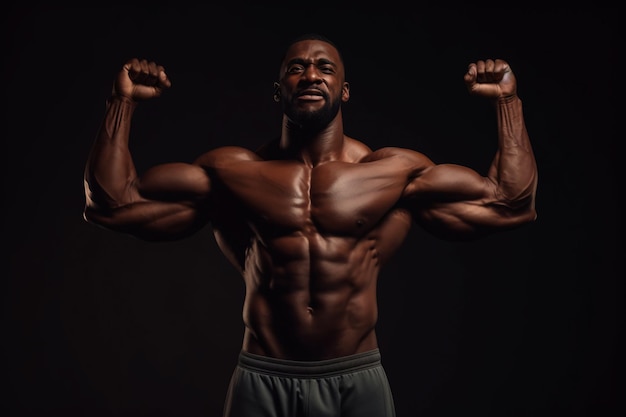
{"x": 312, "y": 84}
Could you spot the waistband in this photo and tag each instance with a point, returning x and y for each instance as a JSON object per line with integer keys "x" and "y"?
{"x": 322, "y": 368}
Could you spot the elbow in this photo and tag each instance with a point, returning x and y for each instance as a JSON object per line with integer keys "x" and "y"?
{"x": 520, "y": 215}
{"x": 526, "y": 205}
{"x": 92, "y": 214}
{"x": 86, "y": 216}
{"x": 530, "y": 216}
{"x": 521, "y": 205}
{"x": 512, "y": 214}
{"x": 92, "y": 211}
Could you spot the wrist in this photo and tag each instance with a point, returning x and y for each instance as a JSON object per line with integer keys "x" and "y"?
{"x": 115, "y": 98}
{"x": 507, "y": 99}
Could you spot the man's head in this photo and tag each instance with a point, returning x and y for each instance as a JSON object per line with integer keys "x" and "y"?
{"x": 312, "y": 83}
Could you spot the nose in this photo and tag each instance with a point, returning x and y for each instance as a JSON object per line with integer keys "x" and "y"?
{"x": 311, "y": 73}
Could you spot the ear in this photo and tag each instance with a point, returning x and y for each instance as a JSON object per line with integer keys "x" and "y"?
{"x": 276, "y": 95}
{"x": 345, "y": 92}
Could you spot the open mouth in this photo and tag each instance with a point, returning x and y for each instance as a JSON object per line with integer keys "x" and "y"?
{"x": 311, "y": 94}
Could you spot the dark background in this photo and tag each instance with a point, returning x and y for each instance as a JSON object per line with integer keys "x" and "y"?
{"x": 525, "y": 323}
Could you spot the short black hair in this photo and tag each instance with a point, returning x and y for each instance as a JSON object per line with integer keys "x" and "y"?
{"x": 314, "y": 36}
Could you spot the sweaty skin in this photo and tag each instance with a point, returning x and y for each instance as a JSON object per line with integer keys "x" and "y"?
{"x": 310, "y": 218}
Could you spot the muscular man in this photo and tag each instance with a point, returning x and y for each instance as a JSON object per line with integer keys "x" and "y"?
{"x": 308, "y": 220}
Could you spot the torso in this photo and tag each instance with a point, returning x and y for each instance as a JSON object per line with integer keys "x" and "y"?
{"x": 309, "y": 243}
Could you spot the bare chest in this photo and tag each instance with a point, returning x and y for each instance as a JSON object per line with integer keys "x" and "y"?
{"x": 333, "y": 198}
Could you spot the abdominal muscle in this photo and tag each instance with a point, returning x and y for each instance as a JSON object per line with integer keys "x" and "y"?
{"x": 318, "y": 303}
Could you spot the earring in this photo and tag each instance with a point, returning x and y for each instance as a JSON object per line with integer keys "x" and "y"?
{"x": 276, "y": 92}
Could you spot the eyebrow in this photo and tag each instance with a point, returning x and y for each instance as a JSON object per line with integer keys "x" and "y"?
{"x": 320, "y": 61}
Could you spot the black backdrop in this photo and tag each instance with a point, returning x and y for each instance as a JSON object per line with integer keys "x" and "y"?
{"x": 526, "y": 323}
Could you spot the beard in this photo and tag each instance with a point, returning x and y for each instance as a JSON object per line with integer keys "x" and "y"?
{"x": 312, "y": 120}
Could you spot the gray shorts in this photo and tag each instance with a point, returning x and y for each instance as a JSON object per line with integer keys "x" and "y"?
{"x": 351, "y": 386}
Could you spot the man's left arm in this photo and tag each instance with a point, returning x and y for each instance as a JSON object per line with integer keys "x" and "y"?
{"x": 455, "y": 202}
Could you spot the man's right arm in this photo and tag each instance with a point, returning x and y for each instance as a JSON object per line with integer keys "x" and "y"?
{"x": 164, "y": 203}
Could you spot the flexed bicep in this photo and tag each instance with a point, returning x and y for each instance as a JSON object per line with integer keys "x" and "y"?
{"x": 456, "y": 203}
{"x": 174, "y": 181}
{"x": 169, "y": 201}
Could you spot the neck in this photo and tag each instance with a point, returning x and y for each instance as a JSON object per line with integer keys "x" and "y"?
{"x": 313, "y": 147}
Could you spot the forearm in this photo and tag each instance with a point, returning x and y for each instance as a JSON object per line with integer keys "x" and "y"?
{"x": 110, "y": 172}
{"x": 514, "y": 169}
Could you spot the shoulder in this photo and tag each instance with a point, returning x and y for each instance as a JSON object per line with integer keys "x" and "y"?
{"x": 226, "y": 155}
{"x": 355, "y": 150}
{"x": 401, "y": 156}
{"x": 269, "y": 150}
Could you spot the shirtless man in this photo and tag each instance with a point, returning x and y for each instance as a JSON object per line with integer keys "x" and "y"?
{"x": 308, "y": 220}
